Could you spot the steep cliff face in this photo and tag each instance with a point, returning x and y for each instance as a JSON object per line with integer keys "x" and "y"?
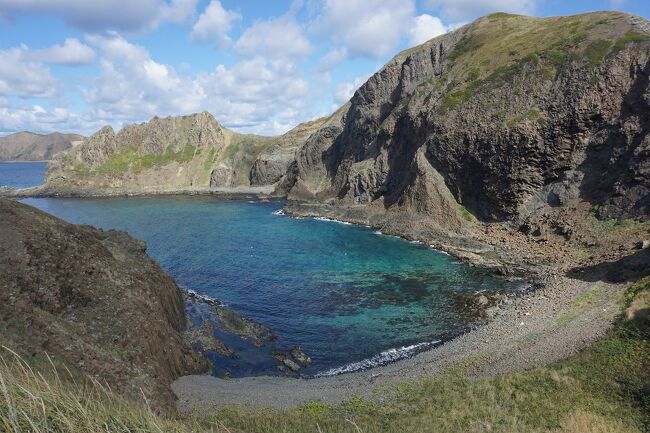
{"x": 502, "y": 117}
{"x": 27, "y": 146}
{"x": 175, "y": 153}
{"x": 92, "y": 300}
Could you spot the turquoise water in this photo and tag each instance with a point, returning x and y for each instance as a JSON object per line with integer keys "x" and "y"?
{"x": 22, "y": 174}
{"x": 351, "y": 298}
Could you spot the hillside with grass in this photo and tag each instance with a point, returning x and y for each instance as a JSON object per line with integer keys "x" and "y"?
{"x": 27, "y": 146}
{"x": 174, "y": 153}
{"x": 494, "y": 120}
{"x": 604, "y": 389}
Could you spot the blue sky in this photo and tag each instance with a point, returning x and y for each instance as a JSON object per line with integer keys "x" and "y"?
{"x": 258, "y": 66}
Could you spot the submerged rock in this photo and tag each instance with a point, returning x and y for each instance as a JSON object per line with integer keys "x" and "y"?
{"x": 300, "y": 356}
{"x": 203, "y": 336}
{"x": 290, "y": 364}
{"x": 484, "y": 305}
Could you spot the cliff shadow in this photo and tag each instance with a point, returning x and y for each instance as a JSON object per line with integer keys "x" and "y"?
{"x": 614, "y": 161}
{"x": 628, "y": 268}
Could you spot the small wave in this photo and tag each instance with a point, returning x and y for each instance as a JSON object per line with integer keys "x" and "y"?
{"x": 204, "y": 298}
{"x": 378, "y": 232}
{"x": 433, "y": 247}
{"x": 386, "y": 357}
{"x": 332, "y": 220}
{"x": 278, "y": 212}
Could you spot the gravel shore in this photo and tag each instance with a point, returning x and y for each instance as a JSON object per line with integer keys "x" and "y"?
{"x": 560, "y": 318}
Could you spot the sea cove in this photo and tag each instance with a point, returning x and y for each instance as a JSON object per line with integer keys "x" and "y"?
{"x": 348, "y": 296}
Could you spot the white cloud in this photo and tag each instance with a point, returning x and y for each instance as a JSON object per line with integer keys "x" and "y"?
{"x": 72, "y": 53}
{"x": 214, "y": 24}
{"x": 369, "y": 28}
{"x": 344, "y": 91}
{"x": 255, "y": 95}
{"x": 330, "y": 60}
{"x": 132, "y": 85}
{"x": 100, "y": 15}
{"x": 278, "y": 38}
{"x": 22, "y": 77}
{"x": 464, "y": 10}
{"x": 37, "y": 118}
{"x": 424, "y": 28}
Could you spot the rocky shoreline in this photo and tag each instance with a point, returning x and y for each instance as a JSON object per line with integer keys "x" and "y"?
{"x": 244, "y": 192}
{"x": 559, "y": 316}
{"x": 536, "y": 328}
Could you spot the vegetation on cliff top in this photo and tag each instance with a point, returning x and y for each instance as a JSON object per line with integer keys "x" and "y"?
{"x": 498, "y": 47}
{"x": 602, "y": 389}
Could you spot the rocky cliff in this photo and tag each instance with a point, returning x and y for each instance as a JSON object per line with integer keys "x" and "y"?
{"x": 93, "y": 301}
{"x": 495, "y": 120}
{"x": 170, "y": 153}
{"x": 27, "y": 146}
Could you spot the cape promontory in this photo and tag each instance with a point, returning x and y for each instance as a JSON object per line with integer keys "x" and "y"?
{"x": 27, "y": 146}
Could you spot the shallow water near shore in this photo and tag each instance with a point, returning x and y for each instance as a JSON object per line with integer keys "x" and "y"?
{"x": 349, "y": 297}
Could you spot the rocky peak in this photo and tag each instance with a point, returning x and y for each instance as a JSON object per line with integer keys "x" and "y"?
{"x": 512, "y": 112}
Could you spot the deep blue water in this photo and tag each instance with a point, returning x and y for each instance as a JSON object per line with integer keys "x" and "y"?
{"x": 342, "y": 292}
{"x": 22, "y": 174}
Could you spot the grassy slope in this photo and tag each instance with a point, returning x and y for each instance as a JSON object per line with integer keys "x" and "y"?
{"x": 499, "y": 46}
{"x": 598, "y": 390}
{"x": 240, "y": 153}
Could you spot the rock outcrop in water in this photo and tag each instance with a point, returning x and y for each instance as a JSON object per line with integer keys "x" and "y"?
{"x": 27, "y": 146}
{"x": 93, "y": 301}
{"x": 171, "y": 153}
{"x": 495, "y": 120}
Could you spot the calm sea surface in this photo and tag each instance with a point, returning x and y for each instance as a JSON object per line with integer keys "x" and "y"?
{"x": 22, "y": 174}
{"x": 349, "y": 296}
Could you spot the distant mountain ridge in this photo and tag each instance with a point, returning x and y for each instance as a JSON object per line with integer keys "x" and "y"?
{"x": 181, "y": 152}
{"x": 495, "y": 120}
{"x": 28, "y": 146}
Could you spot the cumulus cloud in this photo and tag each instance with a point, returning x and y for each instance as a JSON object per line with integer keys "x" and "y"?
{"x": 22, "y": 77}
{"x": 369, "y": 28}
{"x": 72, "y": 53}
{"x": 424, "y": 28}
{"x": 100, "y": 15}
{"x": 254, "y": 95}
{"x": 465, "y": 10}
{"x": 38, "y": 118}
{"x": 257, "y": 95}
{"x": 344, "y": 91}
{"x": 131, "y": 84}
{"x": 214, "y": 24}
{"x": 281, "y": 37}
{"x": 330, "y": 60}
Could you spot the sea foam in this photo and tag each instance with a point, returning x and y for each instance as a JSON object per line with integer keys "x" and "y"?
{"x": 383, "y": 358}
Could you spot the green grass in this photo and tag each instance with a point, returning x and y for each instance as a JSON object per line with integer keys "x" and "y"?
{"x": 467, "y": 215}
{"x": 599, "y": 390}
{"x": 210, "y": 159}
{"x": 588, "y": 297}
{"x": 231, "y": 150}
{"x": 643, "y": 285}
{"x": 131, "y": 160}
{"x": 565, "y": 318}
{"x": 596, "y": 52}
{"x": 496, "y": 50}
{"x": 629, "y": 37}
